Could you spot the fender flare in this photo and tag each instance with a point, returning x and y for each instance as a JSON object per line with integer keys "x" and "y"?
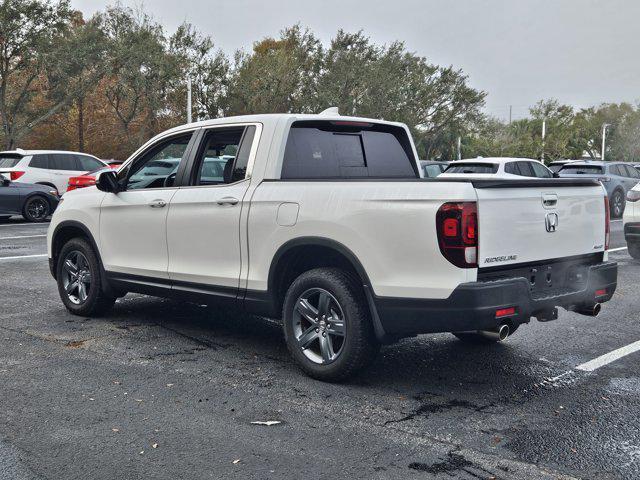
{"x": 351, "y": 258}
{"x": 106, "y": 287}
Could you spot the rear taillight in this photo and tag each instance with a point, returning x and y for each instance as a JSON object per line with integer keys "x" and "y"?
{"x": 15, "y": 175}
{"x": 457, "y": 226}
{"x": 607, "y": 223}
{"x": 80, "y": 182}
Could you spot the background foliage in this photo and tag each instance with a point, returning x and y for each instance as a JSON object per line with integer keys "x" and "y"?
{"x": 107, "y": 84}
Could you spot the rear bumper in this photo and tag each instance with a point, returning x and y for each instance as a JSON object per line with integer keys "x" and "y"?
{"x": 472, "y": 306}
{"x": 632, "y": 232}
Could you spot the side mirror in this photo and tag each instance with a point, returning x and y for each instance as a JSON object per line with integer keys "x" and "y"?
{"x": 556, "y": 175}
{"x": 107, "y": 182}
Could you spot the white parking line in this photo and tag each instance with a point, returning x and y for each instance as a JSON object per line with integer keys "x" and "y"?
{"x": 26, "y": 225}
{"x": 23, "y": 236}
{"x": 617, "y": 249}
{"x": 22, "y": 256}
{"x": 607, "y": 358}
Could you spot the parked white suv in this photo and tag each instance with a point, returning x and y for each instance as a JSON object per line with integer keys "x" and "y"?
{"x": 324, "y": 221}
{"x": 498, "y": 167}
{"x": 46, "y": 167}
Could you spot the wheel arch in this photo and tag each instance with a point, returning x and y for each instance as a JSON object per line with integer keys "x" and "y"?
{"x": 295, "y": 257}
{"x": 64, "y": 232}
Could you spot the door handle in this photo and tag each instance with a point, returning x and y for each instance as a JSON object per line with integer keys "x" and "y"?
{"x": 158, "y": 204}
{"x": 227, "y": 201}
{"x": 549, "y": 199}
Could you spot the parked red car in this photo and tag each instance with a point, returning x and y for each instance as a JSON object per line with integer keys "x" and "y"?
{"x": 88, "y": 179}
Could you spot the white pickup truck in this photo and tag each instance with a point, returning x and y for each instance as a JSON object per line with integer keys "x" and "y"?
{"x": 325, "y": 222}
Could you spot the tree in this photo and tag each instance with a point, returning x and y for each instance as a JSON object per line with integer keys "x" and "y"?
{"x": 279, "y": 76}
{"x": 209, "y": 71}
{"x": 388, "y": 82}
{"x": 38, "y": 77}
{"x": 141, "y": 70}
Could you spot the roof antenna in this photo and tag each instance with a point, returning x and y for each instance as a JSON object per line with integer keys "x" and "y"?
{"x": 331, "y": 111}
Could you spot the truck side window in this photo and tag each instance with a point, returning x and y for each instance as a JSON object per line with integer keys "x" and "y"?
{"x": 217, "y": 157}
{"x": 158, "y": 166}
{"x": 319, "y": 149}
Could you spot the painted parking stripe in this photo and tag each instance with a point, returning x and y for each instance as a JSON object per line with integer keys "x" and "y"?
{"x": 607, "y": 358}
{"x": 22, "y": 236}
{"x": 25, "y": 225}
{"x": 619, "y": 249}
{"x": 23, "y": 256}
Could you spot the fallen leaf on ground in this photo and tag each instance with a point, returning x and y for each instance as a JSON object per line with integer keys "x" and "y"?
{"x": 236, "y": 461}
{"x": 268, "y": 423}
{"x": 115, "y": 430}
{"x": 155, "y": 445}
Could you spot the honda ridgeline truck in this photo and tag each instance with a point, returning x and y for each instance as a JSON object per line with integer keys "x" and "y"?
{"x": 324, "y": 221}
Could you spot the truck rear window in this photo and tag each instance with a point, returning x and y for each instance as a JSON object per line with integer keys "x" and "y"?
{"x": 582, "y": 170}
{"x": 472, "y": 168}
{"x": 9, "y": 162}
{"x": 347, "y": 150}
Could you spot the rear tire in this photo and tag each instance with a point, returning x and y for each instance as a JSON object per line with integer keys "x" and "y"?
{"x": 36, "y": 209}
{"x": 634, "y": 250}
{"x": 617, "y": 204}
{"x": 79, "y": 280}
{"x": 327, "y": 325}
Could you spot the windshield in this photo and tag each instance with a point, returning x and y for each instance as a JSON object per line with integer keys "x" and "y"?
{"x": 582, "y": 170}
{"x": 9, "y": 162}
{"x": 472, "y": 168}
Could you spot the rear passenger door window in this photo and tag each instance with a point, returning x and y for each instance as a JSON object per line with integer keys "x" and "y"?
{"x": 335, "y": 150}
{"x": 223, "y": 156}
{"x": 63, "y": 161}
{"x": 523, "y": 169}
{"x": 39, "y": 161}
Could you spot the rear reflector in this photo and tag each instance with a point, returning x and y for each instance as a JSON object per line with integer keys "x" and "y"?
{"x": 457, "y": 228}
{"x": 601, "y": 292}
{"x": 15, "y": 175}
{"x": 505, "y": 312}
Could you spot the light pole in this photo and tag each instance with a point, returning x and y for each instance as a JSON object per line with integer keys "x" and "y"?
{"x": 188, "y": 98}
{"x": 604, "y": 137}
{"x": 544, "y": 132}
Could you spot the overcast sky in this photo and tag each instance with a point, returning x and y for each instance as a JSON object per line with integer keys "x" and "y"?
{"x": 582, "y": 52}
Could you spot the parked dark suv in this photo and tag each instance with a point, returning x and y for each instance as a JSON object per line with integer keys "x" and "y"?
{"x": 617, "y": 177}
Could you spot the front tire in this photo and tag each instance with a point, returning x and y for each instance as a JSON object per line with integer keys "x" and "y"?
{"x": 327, "y": 325}
{"x": 634, "y": 250}
{"x": 79, "y": 280}
{"x": 36, "y": 209}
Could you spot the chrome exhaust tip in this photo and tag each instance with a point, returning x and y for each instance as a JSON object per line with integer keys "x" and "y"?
{"x": 497, "y": 334}
{"x": 590, "y": 311}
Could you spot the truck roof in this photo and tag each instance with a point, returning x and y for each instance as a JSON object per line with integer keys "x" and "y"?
{"x": 276, "y": 117}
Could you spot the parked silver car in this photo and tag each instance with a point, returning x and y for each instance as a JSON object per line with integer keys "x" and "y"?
{"x": 617, "y": 177}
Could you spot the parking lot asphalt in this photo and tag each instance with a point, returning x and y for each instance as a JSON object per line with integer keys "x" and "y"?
{"x": 162, "y": 389}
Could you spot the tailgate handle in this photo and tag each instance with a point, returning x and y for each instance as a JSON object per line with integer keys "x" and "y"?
{"x": 549, "y": 199}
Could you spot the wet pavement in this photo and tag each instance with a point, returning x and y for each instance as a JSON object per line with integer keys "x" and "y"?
{"x": 162, "y": 389}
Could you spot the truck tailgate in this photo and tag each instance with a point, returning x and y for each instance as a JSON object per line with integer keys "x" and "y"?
{"x": 529, "y": 221}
